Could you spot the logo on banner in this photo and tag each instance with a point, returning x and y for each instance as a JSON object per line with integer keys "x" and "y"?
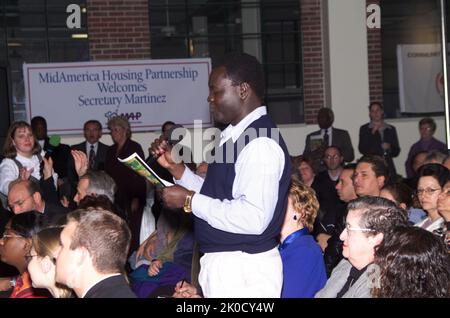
{"x": 133, "y": 117}
{"x": 439, "y": 81}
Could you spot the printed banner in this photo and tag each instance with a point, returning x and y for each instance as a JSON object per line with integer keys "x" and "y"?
{"x": 148, "y": 92}
{"x": 420, "y": 77}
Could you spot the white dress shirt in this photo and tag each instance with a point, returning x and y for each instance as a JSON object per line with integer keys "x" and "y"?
{"x": 258, "y": 169}
{"x": 88, "y": 148}
{"x": 10, "y": 172}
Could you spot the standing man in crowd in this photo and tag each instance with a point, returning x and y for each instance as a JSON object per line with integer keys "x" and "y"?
{"x": 239, "y": 208}
{"x": 318, "y": 141}
{"x": 94, "y": 149}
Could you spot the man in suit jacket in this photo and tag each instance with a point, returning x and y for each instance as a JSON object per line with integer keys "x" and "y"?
{"x": 60, "y": 154}
{"x": 92, "y": 133}
{"x": 25, "y": 195}
{"x": 91, "y": 261}
{"x": 318, "y": 141}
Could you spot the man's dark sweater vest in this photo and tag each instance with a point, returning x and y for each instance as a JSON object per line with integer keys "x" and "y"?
{"x": 218, "y": 184}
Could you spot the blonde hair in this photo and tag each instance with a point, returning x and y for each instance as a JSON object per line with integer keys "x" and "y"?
{"x": 304, "y": 200}
{"x": 120, "y": 121}
{"x": 46, "y": 243}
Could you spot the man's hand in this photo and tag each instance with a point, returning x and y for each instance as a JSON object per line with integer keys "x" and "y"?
{"x": 161, "y": 149}
{"x": 174, "y": 197}
{"x": 81, "y": 162}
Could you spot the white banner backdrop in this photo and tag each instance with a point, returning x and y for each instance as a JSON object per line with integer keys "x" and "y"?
{"x": 148, "y": 92}
{"x": 420, "y": 78}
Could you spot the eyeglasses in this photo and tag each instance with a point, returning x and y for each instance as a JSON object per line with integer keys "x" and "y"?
{"x": 428, "y": 191}
{"x": 445, "y": 193}
{"x": 6, "y": 236}
{"x": 349, "y": 229}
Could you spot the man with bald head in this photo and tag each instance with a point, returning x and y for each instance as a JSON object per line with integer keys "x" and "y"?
{"x": 25, "y": 195}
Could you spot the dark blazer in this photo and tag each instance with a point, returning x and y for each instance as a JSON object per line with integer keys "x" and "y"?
{"x": 54, "y": 214}
{"x": 111, "y": 287}
{"x": 60, "y": 157}
{"x": 340, "y": 138}
{"x": 100, "y": 156}
{"x": 370, "y": 144}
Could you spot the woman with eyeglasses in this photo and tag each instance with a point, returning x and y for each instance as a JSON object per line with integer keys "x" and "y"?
{"x": 432, "y": 178}
{"x": 368, "y": 221}
{"x": 42, "y": 263}
{"x": 15, "y": 246}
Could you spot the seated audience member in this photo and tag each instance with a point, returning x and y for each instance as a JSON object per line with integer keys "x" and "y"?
{"x": 331, "y": 208}
{"x": 15, "y": 246}
{"x": 413, "y": 263}
{"x": 42, "y": 262}
{"x": 427, "y": 128}
{"x": 435, "y": 156}
{"x": 443, "y": 207}
{"x": 402, "y": 195}
{"x": 23, "y": 157}
{"x": 417, "y": 161}
{"x": 331, "y": 244}
{"x": 93, "y": 253}
{"x": 304, "y": 169}
{"x": 303, "y": 265}
{"x": 368, "y": 221}
{"x": 432, "y": 178}
{"x": 98, "y": 184}
{"x": 25, "y": 195}
{"x": 371, "y": 174}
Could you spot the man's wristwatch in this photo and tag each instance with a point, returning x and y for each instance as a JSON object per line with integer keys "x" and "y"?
{"x": 12, "y": 282}
{"x": 187, "y": 207}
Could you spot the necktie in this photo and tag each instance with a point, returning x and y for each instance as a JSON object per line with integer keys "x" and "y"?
{"x": 326, "y": 138}
{"x": 91, "y": 157}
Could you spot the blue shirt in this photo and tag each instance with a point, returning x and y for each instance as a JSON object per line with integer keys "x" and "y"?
{"x": 303, "y": 266}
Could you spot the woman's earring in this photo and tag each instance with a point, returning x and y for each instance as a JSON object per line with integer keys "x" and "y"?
{"x": 295, "y": 217}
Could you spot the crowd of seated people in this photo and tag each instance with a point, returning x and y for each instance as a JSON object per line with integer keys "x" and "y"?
{"x": 345, "y": 223}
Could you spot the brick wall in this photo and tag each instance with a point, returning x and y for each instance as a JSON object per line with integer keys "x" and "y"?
{"x": 313, "y": 64}
{"x": 118, "y": 29}
{"x": 375, "y": 61}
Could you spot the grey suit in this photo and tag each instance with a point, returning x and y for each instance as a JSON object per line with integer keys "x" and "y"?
{"x": 340, "y": 138}
{"x": 100, "y": 156}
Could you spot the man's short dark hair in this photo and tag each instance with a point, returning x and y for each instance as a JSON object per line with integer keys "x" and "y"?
{"x": 244, "y": 68}
{"x": 378, "y": 164}
{"x": 378, "y": 214}
{"x": 105, "y": 235}
{"x": 38, "y": 119}
{"x": 93, "y": 121}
